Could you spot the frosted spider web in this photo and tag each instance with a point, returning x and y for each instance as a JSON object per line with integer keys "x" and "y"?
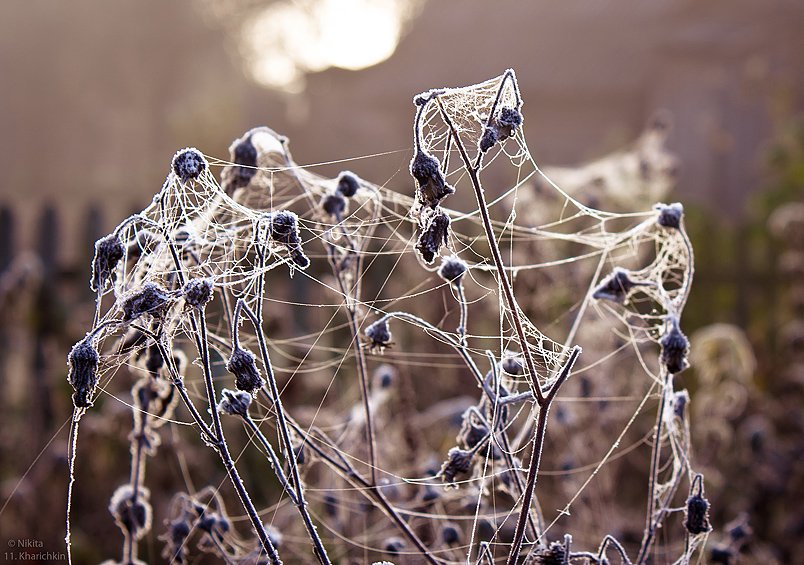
{"x": 422, "y": 383}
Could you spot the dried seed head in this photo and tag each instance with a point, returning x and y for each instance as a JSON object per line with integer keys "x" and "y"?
{"x": 555, "y": 554}
{"x": 506, "y": 122}
{"x": 721, "y": 555}
{"x": 132, "y": 515}
{"x": 379, "y": 334}
{"x": 459, "y": 461}
{"x": 433, "y": 236}
{"x": 83, "y": 362}
{"x": 348, "y": 184}
{"x": 175, "y": 538}
{"x": 450, "y": 533}
{"x": 242, "y": 364}
{"x": 670, "y": 215}
{"x": 513, "y": 365}
{"x": 393, "y": 546}
{"x": 330, "y": 505}
{"x": 108, "y": 252}
{"x": 472, "y": 433}
{"x": 615, "y": 287}
{"x": 334, "y": 204}
{"x": 384, "y": 376}
{"x": 432, "y": 186}
{"x": 151, "y": 299}
{"x": 188, "y": 164}
{"x": 283, "y": 228}
{"x": 489, "y": 138}
{"x": 675, "y": 347}
{"x": 244, "y": 155}
{"x": 697, "y": 521}
{"x": 680, "y": 401}
{"x": 198, "y": 292}
{"x": 452, "y": 269}
{"x": 235, "y": 402}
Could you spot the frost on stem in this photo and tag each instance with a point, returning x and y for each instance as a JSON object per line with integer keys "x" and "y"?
{"x": 379, "y": 335}
{"x": 433, "y": 236}
{"x": 132, "y": 514}
{"x": 235, "y": 402}
{"x": 347, "y": 184}
{"x": 675, "y": 347}
{"x": 242, "y": 364}
{"x": 188, "y": 164}
{"x": 83, "y": 362}
{"x": 151, "y": 299}
{"x": 432, "y": 185}
{"x": 108, "y": 253}
{"x": 615, "y": 287}
{"x": 670, "y": 215}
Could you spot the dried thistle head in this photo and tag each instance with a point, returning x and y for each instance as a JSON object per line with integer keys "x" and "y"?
{"x": 132, "y": 514}
{"x": 198, "y": 292}
{"x": 459, "y": 461}
{"x": 615, "y": 287}
{"x": 379, "y": 335}
{"x": 82, "y": 362}
{"x": 554, "y": 554}
{"x": 109, "y": 251}
{"x": 675, "y": 347}
{"x": 243, "y": 365}
{"x": 433, "y": 236}
{"x": 150, "y": 299}
{"x": 670, "y": 215}
{"x": 188, "y": 164}
{"x": 348, "y": 184}
{"x": 452, "y": 269}
{"x": 432, "y": 185}
{"x": 235, "y": 402}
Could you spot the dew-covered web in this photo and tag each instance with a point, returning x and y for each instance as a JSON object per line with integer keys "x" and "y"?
{"x": 398, "y": 356}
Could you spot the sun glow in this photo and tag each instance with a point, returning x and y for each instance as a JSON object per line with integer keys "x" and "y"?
{"x": 286, "y": 40}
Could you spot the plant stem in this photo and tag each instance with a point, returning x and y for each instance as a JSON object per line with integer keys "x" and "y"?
{"x": 508, "y": 291}
{"x": 281, "y": 418}
{"x": 650, "y": 525}
{"x": 223, "y": 449}
{"x": 536, "y": 454}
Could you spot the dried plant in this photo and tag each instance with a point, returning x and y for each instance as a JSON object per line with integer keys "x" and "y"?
{"x": 270, "y": 299}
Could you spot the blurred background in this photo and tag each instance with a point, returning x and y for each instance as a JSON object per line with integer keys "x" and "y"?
{"x": 95, "y": 98}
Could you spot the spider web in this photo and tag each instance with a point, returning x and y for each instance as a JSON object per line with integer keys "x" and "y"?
{"x": 421, "y": 386}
